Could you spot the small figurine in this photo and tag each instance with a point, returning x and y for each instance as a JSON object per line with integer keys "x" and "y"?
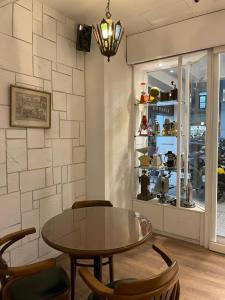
{"x": 155, "y": 128}
{"x": 162, "y": 187}
{"x": 144, "y": 97}
{"x": 171, "y": 160}
{"x": 154, "y": 95}
{"x": 144, "y": 161}
{"x": 156, "y": 161}
{"x": 173, "y": 130}
{"x": 144, "y": 126}
{"x": 166, "y": 127}
{"x": 174, "y": 91}
{"x": 189, "y": 203}
{"x": 144, "y": 181}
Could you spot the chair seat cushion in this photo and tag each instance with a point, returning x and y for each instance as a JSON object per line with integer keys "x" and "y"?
{"x": 44, "y": 285}
{"x": 111, "y": 285}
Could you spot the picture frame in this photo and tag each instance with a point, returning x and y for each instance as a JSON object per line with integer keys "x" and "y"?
{"x": 30, "y": 108}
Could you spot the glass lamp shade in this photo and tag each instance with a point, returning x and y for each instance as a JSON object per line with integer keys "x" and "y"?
{"x": 108, "y": 36}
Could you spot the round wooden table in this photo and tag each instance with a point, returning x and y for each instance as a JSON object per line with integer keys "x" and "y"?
{"x": 96, "y": 232}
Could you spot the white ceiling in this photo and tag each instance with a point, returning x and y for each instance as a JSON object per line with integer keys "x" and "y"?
{"x": 136, "y": 16}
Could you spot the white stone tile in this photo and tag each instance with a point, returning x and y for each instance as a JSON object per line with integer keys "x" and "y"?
{"x": 22, "y": 23}
{"x": 4, "y": 120}
{"x": 48, "y": 143}
{"x": 62, "y": 152}
{"x": 69, "y": 129}
{"x": 59, "y": 101}
{"x": 2, "y": 146}
{"x": 79, "y": 155}
{"x": 54, "y": 66}
{"x": 6, "y": 79}
{"x": 59, "y": 188}
{"x": 80, "y": 60}
{"x": 44, "y": 193}
{"x": 25, "y": 254}
{"x": 75, "y": 108}
{"x": 80, "y": 187}
{"x": 57, "y": 175}
{"x": 82, "y": 134}
{"x": 64, "y": 174}
{"x": 6, "y": 19}
{"x": 28, "y": 86}
{"x": 22, "y": 61}
{"x": 64, "y": 69}
{"x": 44, "y": 48}
{"x": 35, "y": 138}
{"x": 37, "y": 27}
{"x": 16, "y": 155}
{"x": 49, "y": 28}
{"x": 48, "y": 86}
{"x": 54, "y": 14}
{"x": 31, "y": 219}
{"x": 78, "y": 82}
{"x": 62, "y": 115}
{"x": 36, "y": 204}
{"x": 10, "y": 209}
{"x": 39, "y": 158}
{"x": 13, "y": 182}
{"x": 66, "y": 30}
{"x": 42, "y": 68}
{"x": 49, "y": 176}
{"x": 37, "y": 10}
{"x": 3, "y": 190}
{"x": 20, "y": 78}
{"x": 53, "y": 132}
{"x": 66, "y": 53}
{"x": 3, "y": 174}
{"x": 16, "y": 133}
{"x": 25, "y": 3}
{"x": 76, "y": 172}
{"x": 61, "y": 82}
{"x": 43, "y": 248}
{"x": 50, "y": 207}
{"x": 76, "y": 142}
{"x": 26, "y": 201}
{"x": 32, "y": 180}
{"x": 69, "y": 195}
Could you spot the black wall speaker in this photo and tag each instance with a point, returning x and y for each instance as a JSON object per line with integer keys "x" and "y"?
{"x": 84, "y": 33}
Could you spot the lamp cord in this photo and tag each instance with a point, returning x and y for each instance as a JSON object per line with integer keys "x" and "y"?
{"x": 108, "y": 14}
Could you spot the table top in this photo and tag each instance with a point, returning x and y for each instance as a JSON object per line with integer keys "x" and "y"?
{"x": 96, "y": 231}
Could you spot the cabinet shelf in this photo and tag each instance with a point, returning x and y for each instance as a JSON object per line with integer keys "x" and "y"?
{"x": 162, "y": 168}
{"x": 155, "y": 136}
{"x": 159, "y": 103}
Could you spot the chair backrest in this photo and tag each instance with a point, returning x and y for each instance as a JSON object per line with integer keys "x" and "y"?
{"x": 5, "y": 243}
{"x": 91, "y": 203}
{"x": 164, "y": 286}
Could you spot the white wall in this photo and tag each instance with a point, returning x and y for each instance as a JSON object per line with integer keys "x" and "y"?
{"x": 42, "y": 172}
{"x": 109, "y": 126}
{"x": 186, "y": 36}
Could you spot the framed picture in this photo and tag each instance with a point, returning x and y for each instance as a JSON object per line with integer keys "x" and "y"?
{"x": 30, "y": 108}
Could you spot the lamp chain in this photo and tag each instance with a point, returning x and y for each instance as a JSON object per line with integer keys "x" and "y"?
{"x": 108, "y": 14}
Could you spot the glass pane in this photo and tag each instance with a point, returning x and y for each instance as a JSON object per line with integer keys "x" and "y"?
{"x": 221, "y": 152}
{"x": 195, "y": 83}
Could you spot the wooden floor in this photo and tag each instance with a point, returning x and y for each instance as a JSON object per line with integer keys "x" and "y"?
{"x": 202, "y": 272}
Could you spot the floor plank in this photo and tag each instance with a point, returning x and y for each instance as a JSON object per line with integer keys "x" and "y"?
{"x": 202, "y": 272}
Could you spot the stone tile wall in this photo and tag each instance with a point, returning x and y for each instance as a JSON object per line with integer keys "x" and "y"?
{"x": 42, "y": 172}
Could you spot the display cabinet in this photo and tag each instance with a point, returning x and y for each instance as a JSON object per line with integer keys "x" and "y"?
{"x": 170, "y": 99}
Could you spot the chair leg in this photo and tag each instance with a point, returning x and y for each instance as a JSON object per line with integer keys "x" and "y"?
{"x": 73, "y": 262}
{"x": 111, "y": 271}
{"x": 98, "y": 267}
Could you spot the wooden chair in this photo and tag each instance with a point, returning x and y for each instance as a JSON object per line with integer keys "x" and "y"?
{"x": 164, "y": 286}
{"x": 109, "y": 259}
{"x": 38, "y": 281}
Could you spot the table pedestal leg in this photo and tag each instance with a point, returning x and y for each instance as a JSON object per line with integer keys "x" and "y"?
{"x": 72, "y": 277}
{"x": 98, "y": 267}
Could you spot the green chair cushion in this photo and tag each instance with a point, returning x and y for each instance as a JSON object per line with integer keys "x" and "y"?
{"x": 44, "y": 285}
